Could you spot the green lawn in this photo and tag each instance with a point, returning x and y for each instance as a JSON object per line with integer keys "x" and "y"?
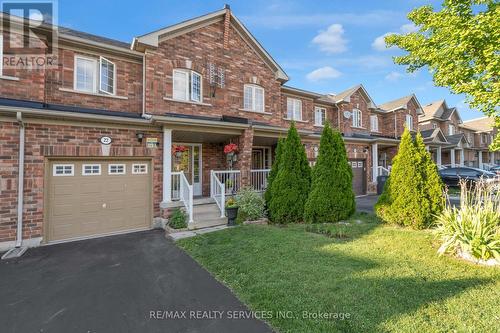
{"x": 385, "y": 278}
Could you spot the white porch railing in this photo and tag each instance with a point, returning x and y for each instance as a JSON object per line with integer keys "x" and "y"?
{"x": 176, "y": 185}
{"x": 218, "y": 192}
{"x": 185, "y": 192}
{"x": 230, "y": 178}
{"x": 383, "y": 171}
{"x": 258, "y": 179}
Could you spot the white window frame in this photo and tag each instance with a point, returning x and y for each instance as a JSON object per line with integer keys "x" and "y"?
{"x": 1, "y": 54}
{"x": 451, "y": 129}
{"x": 374, "y": 123}
{"x": 296, "y": 106}
{"x": 91, "y": 173}
{"x": 189, "y": 74}
{"x": 101, "y": 60}
{"x": 319, "y": 116}
{"x": 409, "y": 122}
{"x": 357, "y": 118}
{"x": 65, "y": 165}
{"x": 253, "y": 100}
{"x": 117, "y": 173}
{"x": 75, "y": 74}
{"x": 138, "y": 172}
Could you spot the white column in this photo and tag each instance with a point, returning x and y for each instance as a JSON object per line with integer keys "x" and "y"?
{"x": 452, "y": 157}
{"x": 374, "y": 162}
{"x": 462, "y": 157}
{"x": 480, "y": 159}
{"x": 167, "y": 165}
{"x": 428, "y": 148}
{"x": 438, "y": 155}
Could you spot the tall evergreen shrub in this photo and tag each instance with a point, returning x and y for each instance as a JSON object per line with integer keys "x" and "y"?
{"x": 274, "y": 170}
{"x": 331, "y": 198}
{"x": 290, "y": 188}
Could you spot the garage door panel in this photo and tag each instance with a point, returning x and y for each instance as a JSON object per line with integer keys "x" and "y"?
{"x": 89, "y": 205}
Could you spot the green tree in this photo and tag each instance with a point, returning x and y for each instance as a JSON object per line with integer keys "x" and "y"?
{"x": 459, "y": 44}
{"x": 291, "y": 186}
{"x": 331, "y": 198}
{"x": 433, "y": 186}
{"x": 403, "y": 201}
{"x": 274, "y": 170}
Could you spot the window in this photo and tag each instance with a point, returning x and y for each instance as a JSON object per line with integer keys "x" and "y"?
{"x": 85, "y": 74}
{"x": 294, "y": 109}
{"x": 409, "y": 122}
{"x": 116, "y": 169}
{"x": 95, "y": 76}
{"x": 356, "y": 118}
{"x": 139, "y": 169}
{"x": 451, "y": 129}
{"x": 106, "y": 76}
{"x": 91, "y": 169}
{"x": 374, "y": 123}
{"x": 434, "y": 125}
{"x": 319, "y": 116}
{"x": 187, "y": 85}
{"x": 63, "y": 170}
{"x": 253, "y": 98}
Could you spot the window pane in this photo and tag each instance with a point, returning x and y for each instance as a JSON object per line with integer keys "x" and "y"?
{"x": 180, "y": 85}
{"x": 107, "y": 79}
{"x": 297, "y": 110}
{"x": 259, "y": 99}
{"x": 248, "y": 98}
{"x": 85, "y": 71}
{"x": 196, "y": 87}
{"x": 289, "y": 108}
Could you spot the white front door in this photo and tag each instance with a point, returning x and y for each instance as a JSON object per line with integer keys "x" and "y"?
{"x": 190, "y": 163}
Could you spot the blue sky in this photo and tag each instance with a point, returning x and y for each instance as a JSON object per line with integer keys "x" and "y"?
{"x": 324, "y": 46}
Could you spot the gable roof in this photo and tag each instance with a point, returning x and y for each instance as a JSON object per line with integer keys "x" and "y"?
{"x": 483, "y": 124}
{"x": 345, "y": 96}
{"x": 150, "y": 40}
{"x": 439, "y": 110}
{"x": 400, "y": 103}
{"x": 433, "y": 135}
{"x": 456, "y": 139}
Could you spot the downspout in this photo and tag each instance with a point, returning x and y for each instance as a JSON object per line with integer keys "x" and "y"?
{"x": 20, "y": 183}
{"x": 395, "y": 126}
{"x": 144, "y": 114}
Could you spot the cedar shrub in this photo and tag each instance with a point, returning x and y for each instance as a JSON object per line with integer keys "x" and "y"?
{"x": 274, "y": 170}
{"x": 331, "y": 198}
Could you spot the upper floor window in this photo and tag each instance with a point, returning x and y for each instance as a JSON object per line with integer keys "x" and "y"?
{"x": 294, "y": 109}
{"x": 374, "y": 123}
{"x": 451, "y": 129}
{"x": 409, "y": 122}
{"x": 356, "y": 118}
{"x": 319, "y": 116}
{"x": 434, "y": 125}
{"x": 187, "y": 85}
{"x": 253, "y": 98}
{"x": 91, "y": 74}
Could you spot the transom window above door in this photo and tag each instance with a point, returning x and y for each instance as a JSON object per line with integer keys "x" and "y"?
{"x": 253, "y": 98}
{"x": 94, "y": 75}
{"x": 294, "y": 109}
{"x": 187, "y": 85}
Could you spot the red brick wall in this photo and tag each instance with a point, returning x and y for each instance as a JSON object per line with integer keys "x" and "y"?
{"x": 43, "y": 141}
{"x": 356, "y": 101}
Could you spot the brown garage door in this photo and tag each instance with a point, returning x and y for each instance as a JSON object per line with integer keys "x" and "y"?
{"x": 96, "y": 197}
{"x": 358, "y": 176}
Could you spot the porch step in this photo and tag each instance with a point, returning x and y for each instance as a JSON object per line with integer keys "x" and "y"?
{"x": 203, "y": 201}
{"x": 206, "y": 214}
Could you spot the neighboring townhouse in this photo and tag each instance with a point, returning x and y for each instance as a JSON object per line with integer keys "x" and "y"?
{"x": 452, "y": 141}
{"x": 118, "y": 134}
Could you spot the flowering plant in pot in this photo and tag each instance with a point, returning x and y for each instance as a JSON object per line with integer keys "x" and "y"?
{"x": 230, "y": 149}
{"x": 178, "y": 150}
{"x": 231, "y": 211}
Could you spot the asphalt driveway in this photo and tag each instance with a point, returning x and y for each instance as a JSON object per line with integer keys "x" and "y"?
{"x": 366, "y": 203}
{"x": 130, "y": 283}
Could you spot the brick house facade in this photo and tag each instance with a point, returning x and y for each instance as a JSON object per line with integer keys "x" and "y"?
{"x": 144, "y": 120}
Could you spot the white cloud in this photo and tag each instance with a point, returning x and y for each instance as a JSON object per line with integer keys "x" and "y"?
{"x": 323, "y": 73}
{"x": 379, "y": 42}
{"x": 332, "y": 40}
{"x": 393, "y": 76}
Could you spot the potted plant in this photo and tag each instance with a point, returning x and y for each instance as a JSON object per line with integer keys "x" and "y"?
{"x": 178, "y": 150}
{"x": 231, "y": 211}
{"x": 230, "y": 150}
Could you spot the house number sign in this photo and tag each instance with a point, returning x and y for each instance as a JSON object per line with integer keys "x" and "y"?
{"x": 105, "y": 140}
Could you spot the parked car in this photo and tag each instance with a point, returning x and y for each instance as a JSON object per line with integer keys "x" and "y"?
{"x": 495, "y": 169}
{"x": 452, "y": 176}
